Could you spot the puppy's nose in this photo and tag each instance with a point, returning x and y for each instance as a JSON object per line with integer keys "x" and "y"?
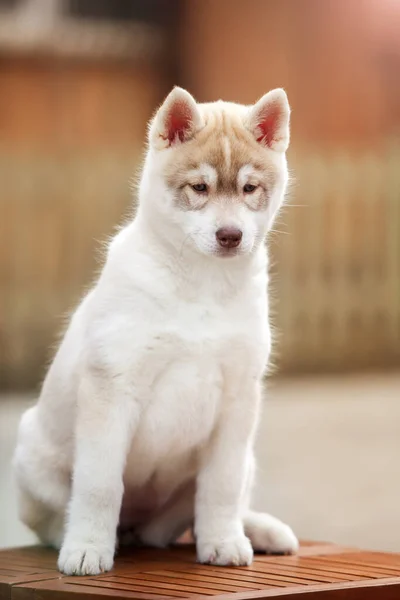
{"x": 229, "y": 237}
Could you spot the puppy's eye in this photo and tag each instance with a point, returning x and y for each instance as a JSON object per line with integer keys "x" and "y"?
{"x": 249, "y": 188}
{"x": 200, "y": 188}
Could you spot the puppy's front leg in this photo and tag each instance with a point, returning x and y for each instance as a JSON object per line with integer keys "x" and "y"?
{"x": 106, "y": 418}
{"x": 222, "y": 482}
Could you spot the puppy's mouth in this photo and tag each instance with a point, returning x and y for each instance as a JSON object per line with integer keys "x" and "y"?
{"x": 228, "y": 252}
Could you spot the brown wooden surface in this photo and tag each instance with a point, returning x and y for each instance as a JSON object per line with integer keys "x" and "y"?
{"x": 319, "y": 571}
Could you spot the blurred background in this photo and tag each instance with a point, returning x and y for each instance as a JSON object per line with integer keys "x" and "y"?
{"x": 78, "y": 81}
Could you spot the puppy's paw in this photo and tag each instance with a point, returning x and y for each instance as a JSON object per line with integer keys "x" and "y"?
{"x": 270, "y": 535}
{"x": 231, "y": 551}
{"x": 85, "y": 559}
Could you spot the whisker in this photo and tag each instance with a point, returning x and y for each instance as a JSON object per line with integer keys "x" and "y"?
{"x": 279, "y": 231}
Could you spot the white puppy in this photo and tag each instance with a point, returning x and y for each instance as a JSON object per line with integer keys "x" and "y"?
{"x": 147, "y": 416}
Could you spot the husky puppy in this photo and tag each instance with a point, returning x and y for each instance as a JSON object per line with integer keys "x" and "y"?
{"x": 147, "y": 416}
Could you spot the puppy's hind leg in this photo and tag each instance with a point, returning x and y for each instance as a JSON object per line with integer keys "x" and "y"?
{"x": 43, "y": 481}
{"x": 48, "y": 524}
{"x": 268, "y": 534}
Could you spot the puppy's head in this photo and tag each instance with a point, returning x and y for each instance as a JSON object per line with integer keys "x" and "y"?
{"x": 218, "y": 171}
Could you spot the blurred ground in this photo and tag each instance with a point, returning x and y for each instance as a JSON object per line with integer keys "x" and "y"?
{"x": 328, "y": 460}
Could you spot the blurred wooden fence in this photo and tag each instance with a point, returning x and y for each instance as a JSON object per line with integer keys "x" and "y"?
{"x": 71, "y": 135}
{"x": 336, "y": 267}
{"x": 56, "y": 213}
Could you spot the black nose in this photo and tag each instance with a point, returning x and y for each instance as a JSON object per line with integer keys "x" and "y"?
{"x": 229, "y": 237}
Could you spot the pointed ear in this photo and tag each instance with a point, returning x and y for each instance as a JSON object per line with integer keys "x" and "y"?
{"x": 269, "y": 120}
{"x": 176, "y": 121}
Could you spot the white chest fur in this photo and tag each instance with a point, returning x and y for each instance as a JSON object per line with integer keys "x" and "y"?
{"x": 181, "y": 341}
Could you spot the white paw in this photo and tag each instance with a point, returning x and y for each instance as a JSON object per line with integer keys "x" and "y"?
{"x": 85, "y": 559}
{"x": 235, "y": 551}
{"x": 268, "y": 534}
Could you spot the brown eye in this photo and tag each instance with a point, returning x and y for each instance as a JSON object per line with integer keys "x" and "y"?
{"x": 200, "y": 188}
{"x": 249, "y": 188}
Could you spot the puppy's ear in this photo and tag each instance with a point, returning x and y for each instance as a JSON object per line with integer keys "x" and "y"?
{"x": 268, "y": 120}
{"x": 176, "y": 121}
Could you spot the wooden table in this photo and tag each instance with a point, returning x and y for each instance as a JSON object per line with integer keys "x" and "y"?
{"x": 319, "y": 571}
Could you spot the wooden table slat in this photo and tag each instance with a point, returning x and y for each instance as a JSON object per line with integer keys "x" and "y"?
{"x": 320, "y": 571}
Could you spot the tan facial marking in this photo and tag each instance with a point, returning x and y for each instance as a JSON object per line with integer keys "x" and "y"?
{"x": 221, "y": 151}
{"x": 227, "y": 152}
{"x": 258, "y": 199}
{"x": 205, "y": 173}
